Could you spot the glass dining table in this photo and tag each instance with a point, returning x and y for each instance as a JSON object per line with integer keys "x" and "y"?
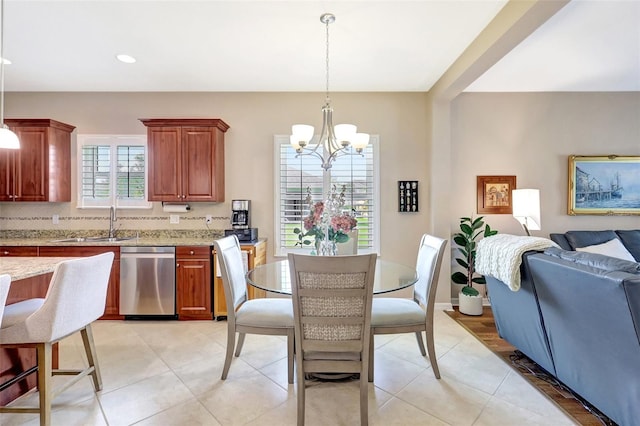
{"x": 274, "y": 277}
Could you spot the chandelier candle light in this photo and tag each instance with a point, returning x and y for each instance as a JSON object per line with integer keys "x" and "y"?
{"x": 8, "y": 139}
{"x": 335, "y": 141}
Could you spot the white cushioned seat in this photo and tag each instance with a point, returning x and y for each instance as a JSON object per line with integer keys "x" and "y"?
{"x": 391, "y": 312}
{"x": 18, "y": 312}
{"x": 5, "y": 284}
{"x": 265, "y": 313}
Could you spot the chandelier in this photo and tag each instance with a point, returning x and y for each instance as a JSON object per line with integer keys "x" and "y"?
{"x": 335, "y": 141}
{"x": 8, "y": 139}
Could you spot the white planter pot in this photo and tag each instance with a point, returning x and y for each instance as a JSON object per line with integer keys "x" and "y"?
{"x": 470, "y": 305}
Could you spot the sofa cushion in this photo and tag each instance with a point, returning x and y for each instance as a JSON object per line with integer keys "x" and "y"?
{"x": 613, "y": 248}
{"x": 631, "y": 240}
{"x": 588, "y": 238}
{"x": 595, "y": 260}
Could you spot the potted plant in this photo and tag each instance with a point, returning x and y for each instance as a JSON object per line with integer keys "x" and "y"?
{"x": 470, "y": 301}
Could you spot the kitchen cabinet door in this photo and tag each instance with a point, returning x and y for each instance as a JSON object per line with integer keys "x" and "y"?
{"x": 112, "y": 307}
{"x": 193, "y": 283}
{"x": 41, "y": 169}
{"x": 186, "y": 159}
{"x": 165, "y": 164}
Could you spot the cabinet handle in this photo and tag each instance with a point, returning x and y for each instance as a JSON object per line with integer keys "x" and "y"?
{"x": 6, "y": 253}
{"x": 177, "y": 265}
{"x": 192, "y": 252}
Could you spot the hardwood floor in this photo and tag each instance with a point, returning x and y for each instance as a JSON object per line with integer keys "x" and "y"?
{"x": 483, "y": 328}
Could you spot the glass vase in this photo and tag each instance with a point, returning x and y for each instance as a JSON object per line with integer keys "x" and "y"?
{"x": 327, "y": 248}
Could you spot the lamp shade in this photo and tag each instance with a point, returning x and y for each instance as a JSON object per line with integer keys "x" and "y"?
{"x": 345, "y": 133}
{"x": 526, "y": 207}
{"x": 302, "y": 133}
{"x": 8, "y": 139}
{"x": 361, "y": 141}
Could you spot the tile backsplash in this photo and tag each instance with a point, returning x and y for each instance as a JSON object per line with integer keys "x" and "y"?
{"x": 40, "y": 216}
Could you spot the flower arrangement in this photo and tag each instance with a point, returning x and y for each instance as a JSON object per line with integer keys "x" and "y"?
{"x": 326, "y": 223}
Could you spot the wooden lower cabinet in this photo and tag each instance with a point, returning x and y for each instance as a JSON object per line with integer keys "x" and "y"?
{"x": 193, "y": 283}
{"x": 256, "y": 255}
{"x": 112, "y": 308}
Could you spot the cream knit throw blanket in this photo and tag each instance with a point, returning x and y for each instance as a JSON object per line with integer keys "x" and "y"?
{"x": 500, "y": 256}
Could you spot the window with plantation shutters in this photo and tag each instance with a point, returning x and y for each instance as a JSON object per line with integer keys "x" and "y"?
{"x": 358, "y": 175}
{"x": 112, "y": 171}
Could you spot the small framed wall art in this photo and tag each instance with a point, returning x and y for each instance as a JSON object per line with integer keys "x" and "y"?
{"x": 408, "y": 195}
{"x": 604, "y": 185}
{"x": 494, "y": 194}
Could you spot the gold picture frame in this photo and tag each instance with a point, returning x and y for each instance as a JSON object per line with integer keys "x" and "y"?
{"x": 494, "y": 194}
{"x": 604, "y": 185}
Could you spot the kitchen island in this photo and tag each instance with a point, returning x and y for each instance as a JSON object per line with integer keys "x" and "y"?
{"x": 21, "y": 268}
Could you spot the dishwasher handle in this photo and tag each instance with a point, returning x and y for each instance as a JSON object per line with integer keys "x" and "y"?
{"x": 147, "y": 255}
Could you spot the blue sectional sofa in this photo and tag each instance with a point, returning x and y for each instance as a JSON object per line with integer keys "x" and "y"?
{"x": 577, "y": 315}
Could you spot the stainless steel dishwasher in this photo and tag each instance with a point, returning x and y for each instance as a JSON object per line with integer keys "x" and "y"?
{"x": 147, "y": 281}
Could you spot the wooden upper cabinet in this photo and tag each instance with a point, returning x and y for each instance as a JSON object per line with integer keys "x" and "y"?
{"x": 186, "y": 159}
{"x": 41, "y": 169}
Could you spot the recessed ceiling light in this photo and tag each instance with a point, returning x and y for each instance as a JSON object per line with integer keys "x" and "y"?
{"x": 126, "y": 59}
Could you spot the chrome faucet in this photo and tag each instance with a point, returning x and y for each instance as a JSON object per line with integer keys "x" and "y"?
{"x": 112, "y": 219}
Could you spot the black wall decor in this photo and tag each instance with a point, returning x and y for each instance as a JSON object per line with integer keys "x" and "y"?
{"x": 408, "y": 195}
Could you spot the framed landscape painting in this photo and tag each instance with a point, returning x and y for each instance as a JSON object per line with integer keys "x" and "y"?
{"x": 493, "y": 194}
{"x": 604, "y": 185}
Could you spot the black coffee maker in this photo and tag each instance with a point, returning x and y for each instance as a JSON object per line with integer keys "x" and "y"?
{"x": 241, "y": 221}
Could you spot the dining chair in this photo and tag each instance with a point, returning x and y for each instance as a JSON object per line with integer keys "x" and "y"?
{"x": 76, "y": 297}
{"x": 268, "y": 316}
{"x": 391, "y": 315}
{"x": 332, "y": 311}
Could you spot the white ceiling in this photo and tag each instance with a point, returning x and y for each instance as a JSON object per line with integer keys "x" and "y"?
{"x": 269, "y": 45}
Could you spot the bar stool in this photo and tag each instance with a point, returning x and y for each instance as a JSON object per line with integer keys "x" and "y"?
{"x": 5, "y": 283}
{"x": 76, "y": 297}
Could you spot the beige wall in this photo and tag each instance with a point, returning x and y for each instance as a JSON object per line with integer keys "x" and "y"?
{"x": 254, "y": 118}
{"x": 531, "y": 135}
{"x": 527, "y": 135}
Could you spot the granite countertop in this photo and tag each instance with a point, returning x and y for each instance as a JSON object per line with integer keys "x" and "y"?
{"x": 132, "y": 238}
{"x": 20, "y": 268}
{"x": 130, "y": 242}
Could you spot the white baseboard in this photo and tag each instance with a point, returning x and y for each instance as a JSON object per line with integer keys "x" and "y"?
{"x": 456, "y": 302}
{"x": 443, "y": 306}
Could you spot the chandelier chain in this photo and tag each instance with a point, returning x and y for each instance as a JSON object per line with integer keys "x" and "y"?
{"x": 327, "y": 58}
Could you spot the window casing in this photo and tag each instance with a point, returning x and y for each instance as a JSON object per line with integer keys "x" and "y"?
{"x": 359, "y": 175}
{"x": 112, "y": 170}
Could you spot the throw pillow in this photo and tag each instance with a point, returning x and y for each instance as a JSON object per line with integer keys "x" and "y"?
{"x": 613, "y": 248}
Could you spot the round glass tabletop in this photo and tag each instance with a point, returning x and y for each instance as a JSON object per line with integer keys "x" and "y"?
{"x": 274, "y": 277}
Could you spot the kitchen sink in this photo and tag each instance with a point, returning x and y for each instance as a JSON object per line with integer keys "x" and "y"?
{"x": 110, "y": 239}
{"x": 92, "y": 239}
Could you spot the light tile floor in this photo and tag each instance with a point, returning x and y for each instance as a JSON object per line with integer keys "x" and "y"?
{"x": 168, "y": 373}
